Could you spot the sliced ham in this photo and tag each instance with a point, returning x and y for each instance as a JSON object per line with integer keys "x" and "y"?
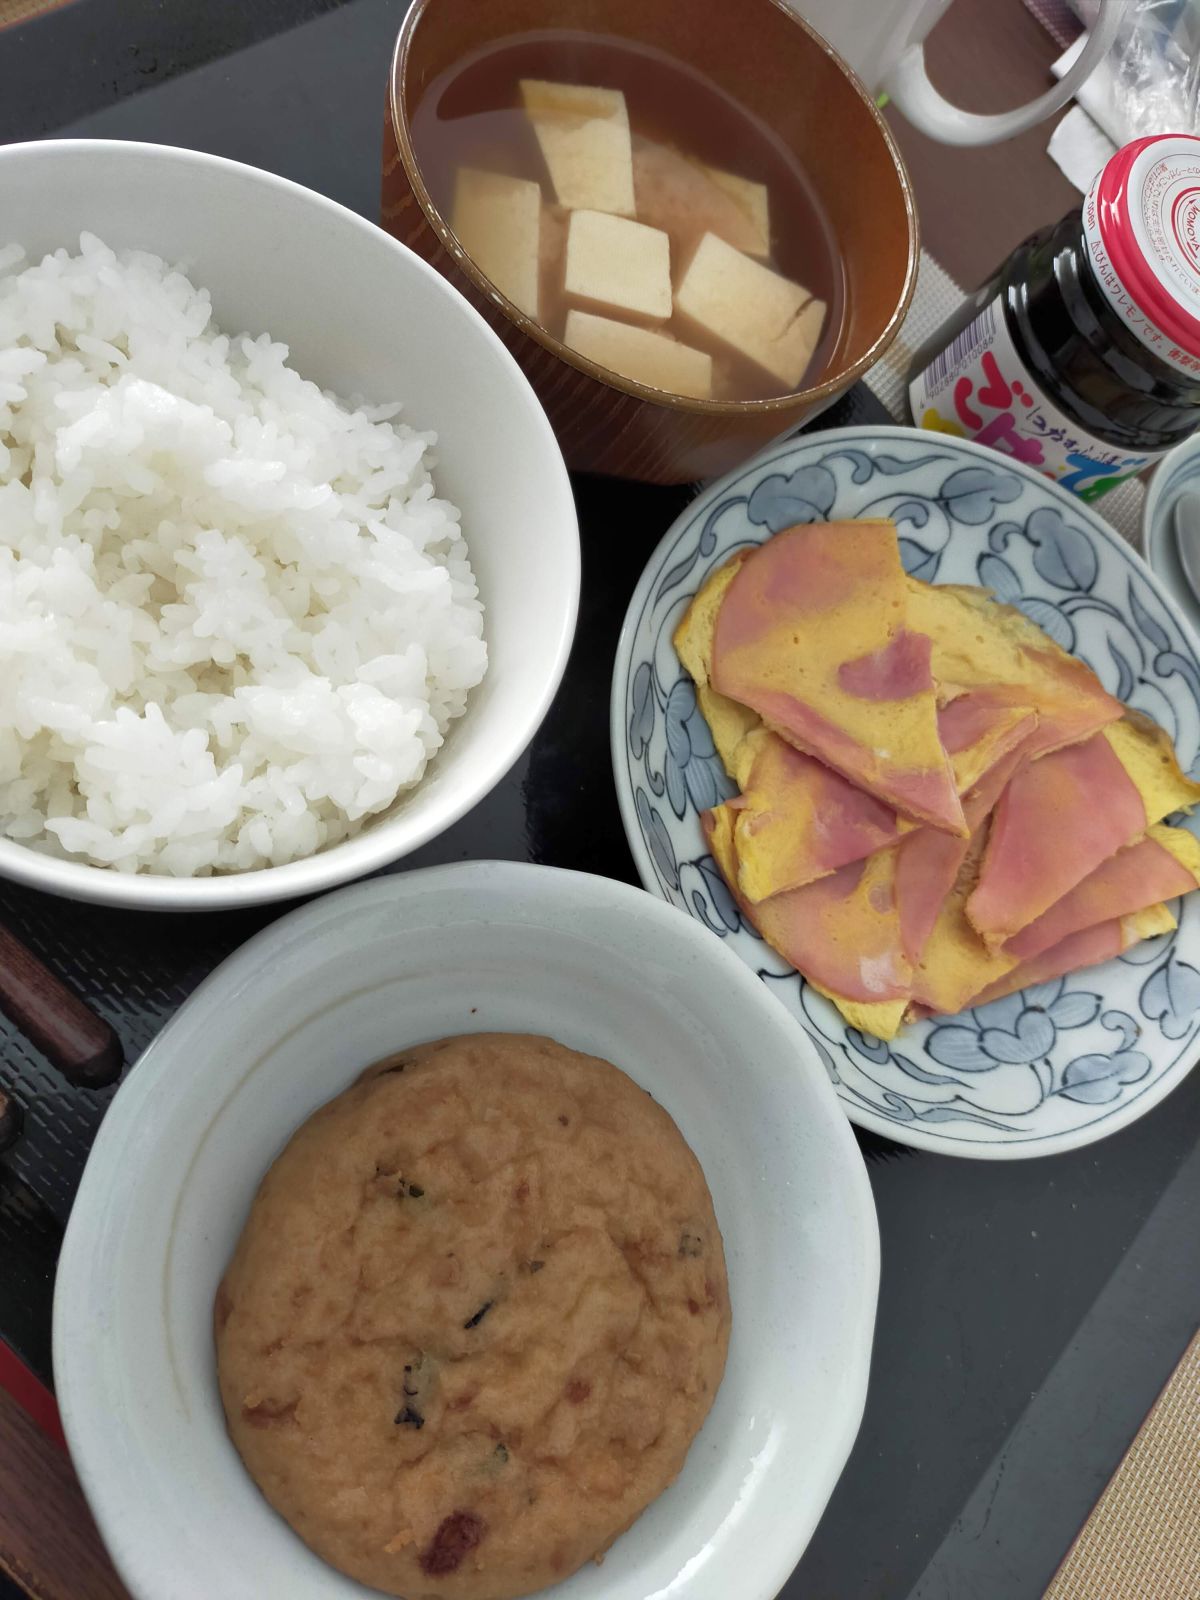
{"x": 980, "y": 644}
{"x": 938, "y": 806}
{"x": 986, "y": 743}
{"x": 1087, "y": 948}
{"x": 955, "y": 963}
{"x": 1065, "y": 814}
{"x": 897, "y": 670}
{"x": 1059, "y": 818}
{"x": 1164, "y": 863}
{"x": 952, "y": 962}
{"x": 856, "y": 934}
{"x": 978, "y": 729}
{"x": 798, "y": 820}
{"x": 842, "y": 932}
{"x": 929, "y": 863}
{"x": 812, "y": 636}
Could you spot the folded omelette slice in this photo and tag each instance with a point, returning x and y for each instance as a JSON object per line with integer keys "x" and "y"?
{"x": 1161, "y": 865}
{"x": 794, "y": 658}
{"x": 982, "y": 645}
{"x": 810, "y": 819}
{"x": 842, "y": 932}
{"x": 1086, "y": 948}
{"x": 812, "y": 635}
{"x": 797, "y": 820}
{"x": 728, "y": 722}
{"x": 955, "y": 964}
{"x": 1118, "y": 904}
{"x": 930, "y": 866}
{"x": 952, "y": 962}
{"x": 858, "y": 934}
{"x": 1064, "y": 814}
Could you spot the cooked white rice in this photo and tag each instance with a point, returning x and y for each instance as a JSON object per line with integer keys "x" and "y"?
{"x": 235, "y": 618}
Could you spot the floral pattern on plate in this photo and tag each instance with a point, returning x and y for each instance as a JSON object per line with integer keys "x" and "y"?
{"x": 1057, "y": 1065}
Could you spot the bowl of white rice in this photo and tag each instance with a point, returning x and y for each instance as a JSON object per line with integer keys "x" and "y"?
{"x": 289, "y": 561}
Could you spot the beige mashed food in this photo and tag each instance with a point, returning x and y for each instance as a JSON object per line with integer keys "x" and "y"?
{"x": 477, "y": 1316}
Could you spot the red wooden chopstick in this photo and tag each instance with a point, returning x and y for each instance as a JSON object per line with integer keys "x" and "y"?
{"x": 31, "y": 1394}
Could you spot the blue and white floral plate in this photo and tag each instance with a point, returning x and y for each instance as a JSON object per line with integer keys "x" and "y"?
{"x": 1044, "y": 1071}
{"x": 1176, "y": 474}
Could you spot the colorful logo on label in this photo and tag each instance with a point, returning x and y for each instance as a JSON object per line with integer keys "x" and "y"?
{"x": 978, "y": 389}
{"x": 1185, "y": 225}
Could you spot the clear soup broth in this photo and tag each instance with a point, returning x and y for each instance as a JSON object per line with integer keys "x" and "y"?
{"x": 637, "y": 212}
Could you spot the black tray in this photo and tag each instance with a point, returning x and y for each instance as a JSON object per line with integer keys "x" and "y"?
{"x": 1030, "y": 1311}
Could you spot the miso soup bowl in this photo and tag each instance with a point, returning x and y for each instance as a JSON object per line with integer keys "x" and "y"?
{"x": 762, "y": 55}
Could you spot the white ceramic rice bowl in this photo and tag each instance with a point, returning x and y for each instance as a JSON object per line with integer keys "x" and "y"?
{"x": 362, "y": 315}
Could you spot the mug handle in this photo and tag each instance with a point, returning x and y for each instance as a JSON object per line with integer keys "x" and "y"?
{"x": 909, "y": 86}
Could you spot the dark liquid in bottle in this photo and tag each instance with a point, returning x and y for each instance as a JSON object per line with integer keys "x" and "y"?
{"x": 472, "y": 116}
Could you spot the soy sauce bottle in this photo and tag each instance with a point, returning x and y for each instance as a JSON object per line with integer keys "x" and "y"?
{"x": 1081, "y": 354}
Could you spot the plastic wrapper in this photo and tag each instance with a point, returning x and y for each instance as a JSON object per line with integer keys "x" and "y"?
{"x": 1150, "y": 82}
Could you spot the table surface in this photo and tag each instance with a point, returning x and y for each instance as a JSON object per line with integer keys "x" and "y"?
{"x": 1029, "y": 1311}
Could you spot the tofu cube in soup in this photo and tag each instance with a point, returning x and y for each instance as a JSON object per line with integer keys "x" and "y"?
{"x": 498, "y": 223}
{"x": 552, "y": 250}
{"x": 641, "y": 354}
{"x": 585, "y": 142}
{"x": 619, "y": 266}
{"x": 751, "y": 201}
{"x": 637, "y": 212}
{"x": 763, "y": 317}
{"x": 687, "y": 200}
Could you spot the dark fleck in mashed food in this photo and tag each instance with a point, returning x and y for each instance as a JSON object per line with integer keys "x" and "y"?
{"x": 477, "y": 1315}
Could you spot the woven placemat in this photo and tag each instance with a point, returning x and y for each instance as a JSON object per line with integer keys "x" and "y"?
{"x": 1142, "y": 1542}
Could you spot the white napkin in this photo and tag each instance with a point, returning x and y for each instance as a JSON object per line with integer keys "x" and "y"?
{"x": 1089, "y": 133}
{"x": 1080, "y": 147}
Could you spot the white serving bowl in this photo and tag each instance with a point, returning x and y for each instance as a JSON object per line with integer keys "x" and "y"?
{"x": 363, "y": 316}
{"x": 288, "y": 1022}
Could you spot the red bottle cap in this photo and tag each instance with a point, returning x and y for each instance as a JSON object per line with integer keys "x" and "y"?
{"x": 1141, "y": 223}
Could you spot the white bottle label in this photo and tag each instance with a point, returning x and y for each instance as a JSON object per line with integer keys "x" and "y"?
{"x": 979, "y": 388}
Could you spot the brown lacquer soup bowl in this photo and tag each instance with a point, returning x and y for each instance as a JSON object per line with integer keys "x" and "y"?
{"x": 761, "y": 56}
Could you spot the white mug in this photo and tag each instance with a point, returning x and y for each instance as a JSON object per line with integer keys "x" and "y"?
{"x": 883, "y": 41}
